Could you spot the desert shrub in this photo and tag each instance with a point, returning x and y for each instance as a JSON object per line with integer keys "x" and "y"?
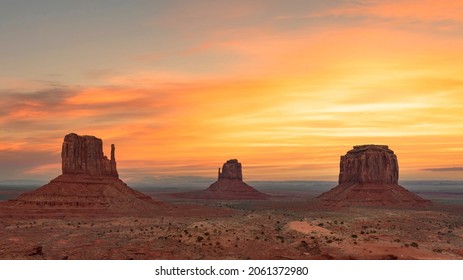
{"x": 199, "y": 239}
{"x": 391, "y": 257}
{"x": 414, "y": 244}
{"x": 354, "y": 236}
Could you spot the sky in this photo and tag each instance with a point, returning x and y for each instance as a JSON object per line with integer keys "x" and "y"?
{"x": 179, "y": 87}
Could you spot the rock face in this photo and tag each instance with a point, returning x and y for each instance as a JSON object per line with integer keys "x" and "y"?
{"x": 229, "y": 186}
{"x": 84, "y": 155}
{"x": 89, "y": 185}
{"x": 369, "y": 164}
{"x": 231, "y": 170}
{"x": 369, "y": 176}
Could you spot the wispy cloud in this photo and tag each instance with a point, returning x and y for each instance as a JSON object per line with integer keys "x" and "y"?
{"x": 445, "y": 169}
{"x": 441, "y": 15}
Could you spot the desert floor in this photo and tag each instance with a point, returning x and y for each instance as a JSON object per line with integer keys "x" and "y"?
{"x": 284, "y": 227}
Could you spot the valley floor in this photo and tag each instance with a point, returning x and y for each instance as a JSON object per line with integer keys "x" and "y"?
{"x": 275, "y": 229}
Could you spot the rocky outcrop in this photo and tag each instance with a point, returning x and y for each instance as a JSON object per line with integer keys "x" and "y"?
{"x": 369, "y": 164}
{"x": 231, "y": 170}
{"x": 89, "y": 185}
{"x": 229, "y": 186}
{"x": 369, "y": 176}
{"x": 84, "y": 155}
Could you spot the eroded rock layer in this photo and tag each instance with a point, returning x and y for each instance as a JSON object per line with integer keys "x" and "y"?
{"x": 82, "y": 192}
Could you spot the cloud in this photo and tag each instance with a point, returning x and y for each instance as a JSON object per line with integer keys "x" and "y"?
{"x": 446, "y": 169}
{"x": 263, "y": 84}
{"x": 422, "y": 14}
{"x": 15, "y": 163}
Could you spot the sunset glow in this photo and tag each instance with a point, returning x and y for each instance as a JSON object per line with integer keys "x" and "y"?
{"x": 286, "y": 87}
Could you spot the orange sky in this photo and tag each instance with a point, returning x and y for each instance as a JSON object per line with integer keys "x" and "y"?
{"x": 285, "y": 88}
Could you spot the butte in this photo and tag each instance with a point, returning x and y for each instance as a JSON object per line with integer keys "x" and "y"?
{"x": 229, "y": 186}
{"x": 369, "y": 176}
{"x": 89, "y": 184}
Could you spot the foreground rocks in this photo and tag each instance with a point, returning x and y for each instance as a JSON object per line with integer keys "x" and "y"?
{"x": 89, "y": 185}
{"x": 229, "y": 186}
{"x": 369, "y": 176}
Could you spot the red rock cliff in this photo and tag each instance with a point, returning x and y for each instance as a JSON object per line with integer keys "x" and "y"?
{"x": 369, "y": 176}
{"x": 369, "y": 164}
{"x": 84, "y": 155}
{"x": 231, "y": 170}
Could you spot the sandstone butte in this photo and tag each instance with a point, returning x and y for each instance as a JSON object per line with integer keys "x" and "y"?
{"x": 369, "y": 176}
{"x": 229, "y": 186}
{"x": 89, "y": 184}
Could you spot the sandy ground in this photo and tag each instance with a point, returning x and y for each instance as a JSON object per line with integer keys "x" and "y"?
{"x": 279, "y": 229}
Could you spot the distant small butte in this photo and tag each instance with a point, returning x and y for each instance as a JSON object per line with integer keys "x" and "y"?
{"x": 229, "y": 186}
